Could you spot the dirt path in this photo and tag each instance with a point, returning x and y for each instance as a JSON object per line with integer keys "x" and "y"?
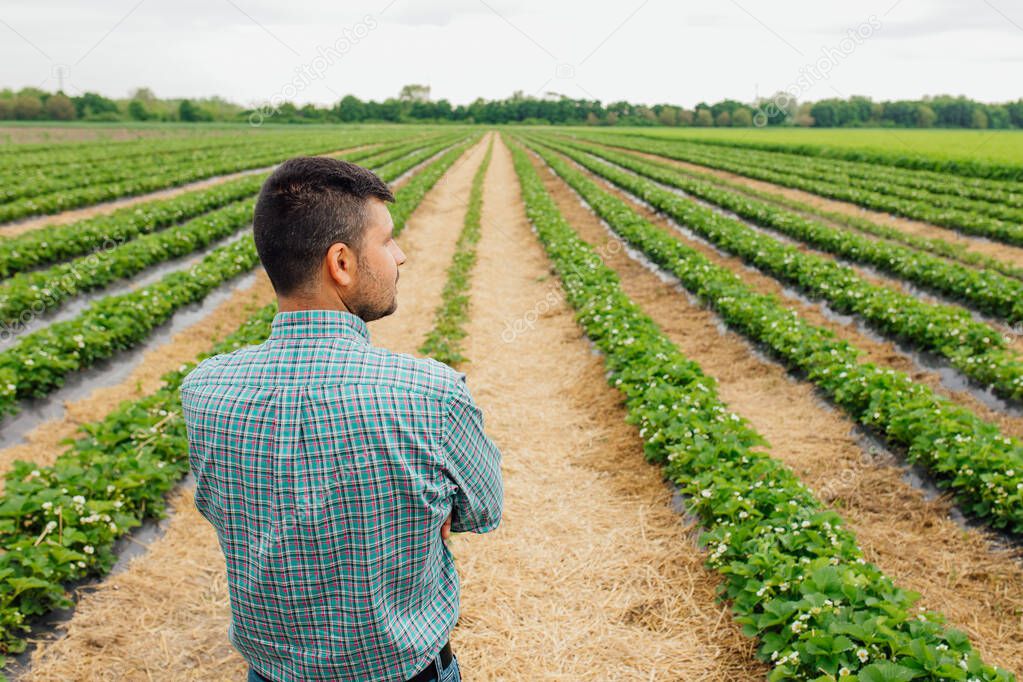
{"x": 881, "y": 352}
{"x": 107, "y": 207}
{"x": 165, "y": 617}
{"x": 979, "y": 245}
{"x": 910, "y": 538}
{"x": 591, "y": 575}
{"x": 441, "y": 212}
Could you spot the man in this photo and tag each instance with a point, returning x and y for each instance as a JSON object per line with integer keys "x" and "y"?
{"x": 333, "y": 470}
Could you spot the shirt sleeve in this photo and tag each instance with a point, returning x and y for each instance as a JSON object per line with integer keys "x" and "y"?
{"x": 473, "y": 463}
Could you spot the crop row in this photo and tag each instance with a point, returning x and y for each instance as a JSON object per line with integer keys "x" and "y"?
{"x": 999, "y": 199}
{"x": 969, "y": 456}
{"x": 48, "y": 179}
{"x": 70, "y": 161}
{"x": 38, "y": 363}
{"x": 20, "y": 157}
{"x": 989, "y": 292}
{"x": 793, "y": 572}
{"x": 934, "y": 245}
{"x": 59, "y": 523}
{"x": 971, "y": 170}
{"x": 58, "y": 242}
{"x": 29, "y": 294}
{"x": 978, "y": 350}
{"x": 958, "y": 219}
{"x": 443, "y": 342}
{"x": 154, "y": 177}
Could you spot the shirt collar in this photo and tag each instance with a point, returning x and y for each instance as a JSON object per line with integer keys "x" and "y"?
{"x": 318, "y": 324}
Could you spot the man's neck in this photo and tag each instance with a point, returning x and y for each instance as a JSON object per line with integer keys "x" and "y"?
{"x": 290, "y": 304}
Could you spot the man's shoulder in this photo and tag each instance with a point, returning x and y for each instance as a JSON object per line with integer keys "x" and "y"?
{"x": 422, "y": 375}
{"x": 370, "y": 365}
{"x": 217, "y": 367}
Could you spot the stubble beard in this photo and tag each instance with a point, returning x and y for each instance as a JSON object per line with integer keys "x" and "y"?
{"x": 377, "y": 300}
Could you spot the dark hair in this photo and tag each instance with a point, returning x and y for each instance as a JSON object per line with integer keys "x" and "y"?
{"x": 307, "y": 204}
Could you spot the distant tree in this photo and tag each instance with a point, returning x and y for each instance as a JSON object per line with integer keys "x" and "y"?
{"x": 727, "y": 105}
{"x": 27, "y": 108}
{"x": 646, "y": 115}
{"x": 742, "y": 118}
{"x": 144, "y": 95}
{"x": 978, "y": 119}
{"x": 137, "y": 110}
{"x": 779, "y": 108}
{"x": 59, "y": 107}
{"x": 415, "y": 93}
{"x": 668, "y": 116}
{"x": 443, "y": 109}
{"x": 804, "y": 115}
{"x": 187, "y": 111}
{"x": 40, "y": 95}
{"x": 825, "y": 113}
{"x": 91, "y": 105}
{"x": 310, "y": 112}
{"x": 414, "y": 104}
{"x": 351, "y": 109}
{"x": 288, "y": 112}
{"x": 925, "y": 116}
{"x": 998, "y": 117}
{"x": 1015, "y": 110}
{"x": 902, "y": 114}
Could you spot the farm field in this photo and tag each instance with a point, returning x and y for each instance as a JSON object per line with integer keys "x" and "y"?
{"x": 993, "y": 146}
{"x": 759, "y": 394}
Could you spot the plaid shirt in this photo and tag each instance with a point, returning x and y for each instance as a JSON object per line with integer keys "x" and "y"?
{"x": 327, "y": 467}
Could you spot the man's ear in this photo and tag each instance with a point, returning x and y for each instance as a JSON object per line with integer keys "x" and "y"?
{"x": 341, "y": 264}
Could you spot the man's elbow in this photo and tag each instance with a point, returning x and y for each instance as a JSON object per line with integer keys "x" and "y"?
{"x": 486, "y": 518}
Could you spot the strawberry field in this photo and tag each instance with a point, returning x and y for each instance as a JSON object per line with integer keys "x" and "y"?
{"x": 793, "y": 370}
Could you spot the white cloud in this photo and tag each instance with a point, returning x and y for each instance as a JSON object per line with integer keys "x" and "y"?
{"x": 660, "y": 51}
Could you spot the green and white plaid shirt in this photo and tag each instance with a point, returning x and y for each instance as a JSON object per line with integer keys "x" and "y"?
{"x": 327, "y": 467}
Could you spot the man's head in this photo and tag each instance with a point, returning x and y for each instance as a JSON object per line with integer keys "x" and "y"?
{"x": 325, "y": 237}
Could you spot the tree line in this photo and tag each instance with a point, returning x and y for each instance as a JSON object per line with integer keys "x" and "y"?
{"x": 413, "y": 104}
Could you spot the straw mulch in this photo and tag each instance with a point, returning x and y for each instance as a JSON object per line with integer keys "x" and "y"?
{"x": 590, "y": 576}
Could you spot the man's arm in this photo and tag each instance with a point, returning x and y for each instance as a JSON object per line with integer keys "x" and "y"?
{"x": 473, "y": 463}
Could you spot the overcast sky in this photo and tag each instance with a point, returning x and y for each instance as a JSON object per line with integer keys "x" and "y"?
{"x": 646, "y": 51}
